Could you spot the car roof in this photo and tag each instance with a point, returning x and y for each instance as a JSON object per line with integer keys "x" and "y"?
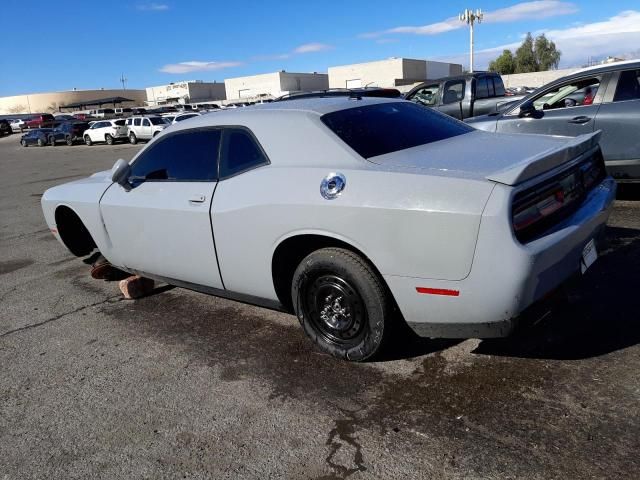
{"x": 608, "y": 67}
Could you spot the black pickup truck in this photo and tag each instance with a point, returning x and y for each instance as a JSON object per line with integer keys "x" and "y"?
{"x": 463, "y": 96}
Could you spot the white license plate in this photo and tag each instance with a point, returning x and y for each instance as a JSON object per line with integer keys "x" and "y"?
{"x": 589, "y": 255}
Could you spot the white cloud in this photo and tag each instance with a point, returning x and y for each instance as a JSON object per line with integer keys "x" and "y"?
{"x": 520, "y": 11}
{"x": 312, "y": 47}
{"x": 152, "y": 7}
{"x": 616, "y": 36}
{"x": 195, "y": 66}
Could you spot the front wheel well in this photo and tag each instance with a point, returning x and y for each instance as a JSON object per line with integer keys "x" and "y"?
{"x": 292, "y": 251}
{"x": 73, "y": 233}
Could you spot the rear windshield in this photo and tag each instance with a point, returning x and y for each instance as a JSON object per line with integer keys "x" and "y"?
{"x": 373, "y": 130}
{"x": 120, "y": 123}
{"x": 157, "y": 120}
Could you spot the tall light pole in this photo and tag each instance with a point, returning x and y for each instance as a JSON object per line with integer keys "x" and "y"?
{"x": 123, "y": 81}
{"x": 471, "y": 18}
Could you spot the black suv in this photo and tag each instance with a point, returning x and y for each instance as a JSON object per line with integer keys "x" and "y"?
{"x": 68, "y": 132}
{"x": 5, "y": 128}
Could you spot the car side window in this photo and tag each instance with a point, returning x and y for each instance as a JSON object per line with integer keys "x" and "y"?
{"x": 628, "y": 86}
{"x": 146, "y": 122}
{"x": 576, "y": 93}
{"x": 498, "y": 86}
{"x": 426, "y": 95}
{"x": 453, "y": 91}
{"x": 482, "y": 90}
{"x": 136, "y": 122}
{"x": 240, "y": 152}
{"x": 190, "y": 155}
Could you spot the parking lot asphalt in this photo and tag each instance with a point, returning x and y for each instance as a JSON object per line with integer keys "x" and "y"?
{"x": 183, "y": 385}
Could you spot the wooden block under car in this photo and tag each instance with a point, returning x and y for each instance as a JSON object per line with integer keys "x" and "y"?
{"x": 136, "y": 286}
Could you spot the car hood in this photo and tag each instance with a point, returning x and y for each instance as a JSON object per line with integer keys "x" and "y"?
{"x": 504, "y": 158}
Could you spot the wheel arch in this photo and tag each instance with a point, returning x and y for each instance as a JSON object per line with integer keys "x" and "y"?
{"x": 73, "y": 232}
{"x": 292, "y": 249}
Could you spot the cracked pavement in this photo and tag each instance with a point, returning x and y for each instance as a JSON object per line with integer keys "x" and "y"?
{"x": 183, "y": 385}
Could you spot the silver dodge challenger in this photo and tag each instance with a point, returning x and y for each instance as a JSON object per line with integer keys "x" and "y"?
{"x": 355, "y": 214}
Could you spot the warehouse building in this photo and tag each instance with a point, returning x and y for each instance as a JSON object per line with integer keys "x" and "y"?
{"x": 190, "y": 91}
{"x": 393, "y": 72}
{"x": 56, "y": 101}
{"x": 274, "y": 85}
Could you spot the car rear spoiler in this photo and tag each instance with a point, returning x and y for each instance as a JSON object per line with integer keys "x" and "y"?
{"x": 546, "y": 160}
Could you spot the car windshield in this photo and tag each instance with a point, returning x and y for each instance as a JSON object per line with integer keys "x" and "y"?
{"x": 157, "y": 120}
{"x": 373, "y": 130}
{"x": 119, "y": 123}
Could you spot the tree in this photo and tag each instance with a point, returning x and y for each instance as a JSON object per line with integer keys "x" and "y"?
{"x": 533, "y": 55}
{"x": 547, "y": 55}
{"x": 504, "y": 64}
{"x": 525, "y": 56}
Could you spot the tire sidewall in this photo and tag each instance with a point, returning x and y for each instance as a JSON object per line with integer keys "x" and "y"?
{"x": 373, "y": 298}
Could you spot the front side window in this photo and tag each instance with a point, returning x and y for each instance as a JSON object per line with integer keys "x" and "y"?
{"x": 155, "y": 121}
{"x": 119, "y": 123}
{"x": 240, "y": 152}
{"x": 137, "y": 122}
{"x": 427, "y": 95}
{"x": 581, "y": 92}
{"x": 146, "y": 123}
{"x": 498, "y": 86}
{"x": 453, "y": 91}
{"x": 628, "y": 86}
{"x": 184, "y": 156}
{"x": 382, "y": 128}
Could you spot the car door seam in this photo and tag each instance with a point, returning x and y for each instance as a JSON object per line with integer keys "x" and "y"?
{"x": 213, "y": 235}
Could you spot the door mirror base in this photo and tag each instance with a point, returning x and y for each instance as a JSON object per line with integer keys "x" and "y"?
{"x": 120, "y": 174}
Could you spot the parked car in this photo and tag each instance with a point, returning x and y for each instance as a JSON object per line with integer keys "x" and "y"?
{"x": 138, "y": 111}
{"x": 184, "y": 116}
{"x": 18, "y": 125}
{"x": 102, "y": 112}
{"x": 108, "y": 131}
{"x": 145, "y": 128}
{"x": 82, "y": 116}
{"x": 68, "y": 132}
{"x": 123, "y": 111}
{"x": 603, "y": 98}
{"x": 462, "y": 96}
{"x": 44, "y": 120}
{"x": 36, "y": 136}
{"x": 5, "y": 128}
{"x": 464, "y": 231}
{"x": 64, "y": 117}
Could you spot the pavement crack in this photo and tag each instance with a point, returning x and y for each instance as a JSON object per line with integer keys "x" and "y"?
{"x": 57, "y": 317}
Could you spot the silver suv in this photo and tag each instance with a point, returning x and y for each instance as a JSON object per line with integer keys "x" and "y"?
{"x": 145, "y": 128}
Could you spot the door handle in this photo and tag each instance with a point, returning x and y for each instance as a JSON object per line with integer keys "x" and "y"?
{"x": 197, "y": 198}
{"x": 580, "y": 119}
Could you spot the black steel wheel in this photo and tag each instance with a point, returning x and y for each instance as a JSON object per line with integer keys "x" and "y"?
{"x": 342, "y": 303}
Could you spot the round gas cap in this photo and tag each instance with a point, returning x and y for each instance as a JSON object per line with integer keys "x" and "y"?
{"x": 332, "y": 185}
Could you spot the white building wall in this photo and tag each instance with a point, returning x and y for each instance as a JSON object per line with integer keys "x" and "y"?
{"x": 185, "y": 92}
{"x": 274, "y": 84}
{"x": 382, "y": 73}
{"x": 535, "y": 79}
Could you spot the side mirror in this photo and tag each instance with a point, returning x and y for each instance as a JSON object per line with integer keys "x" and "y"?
{"x": 528, "y": 110}
{"x": 120, "y": 174}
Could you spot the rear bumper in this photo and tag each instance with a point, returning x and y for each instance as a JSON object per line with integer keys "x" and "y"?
{"x": 624, "y": 170}
{"x": 507, "y": 278}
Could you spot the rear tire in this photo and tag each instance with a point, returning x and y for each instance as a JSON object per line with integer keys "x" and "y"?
{"x": 23, "y": 143}
{"x": 133, "y": 139}
{"x": 41, "y": 143}
{"x": 69, "y": 141}
{"x": 87, "y": 140}
{"x": 109, "y": 139}
{"x": 342, "y": 303}
{"x": 52, "y": 141}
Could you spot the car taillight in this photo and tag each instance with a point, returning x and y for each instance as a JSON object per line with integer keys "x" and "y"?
{"x": 539, "y": 208}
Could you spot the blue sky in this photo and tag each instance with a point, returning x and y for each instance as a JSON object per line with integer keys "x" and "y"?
{"x": 90, "y": 44}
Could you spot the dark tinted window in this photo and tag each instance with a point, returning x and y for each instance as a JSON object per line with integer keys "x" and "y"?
{"x": 240, "y": 152}
{"x": 426, "y": 95}
{"x": 490, "y": 91}
{"x": 120, "y": 123}
{"x": 156, "y": 121}
{"x": 481, "y": 88}
{"x": 499, "y": 86}
{"x": 146, "y": 123}
{"x": 389, "y": 127}
{"x": 184, "y": 156}
{"x": 453, "y": 91}
{"x": 137, "y": 122}
{"x": 628, "y": 86}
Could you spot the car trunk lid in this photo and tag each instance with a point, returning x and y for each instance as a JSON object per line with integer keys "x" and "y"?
{"x": 504, "y": 158}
